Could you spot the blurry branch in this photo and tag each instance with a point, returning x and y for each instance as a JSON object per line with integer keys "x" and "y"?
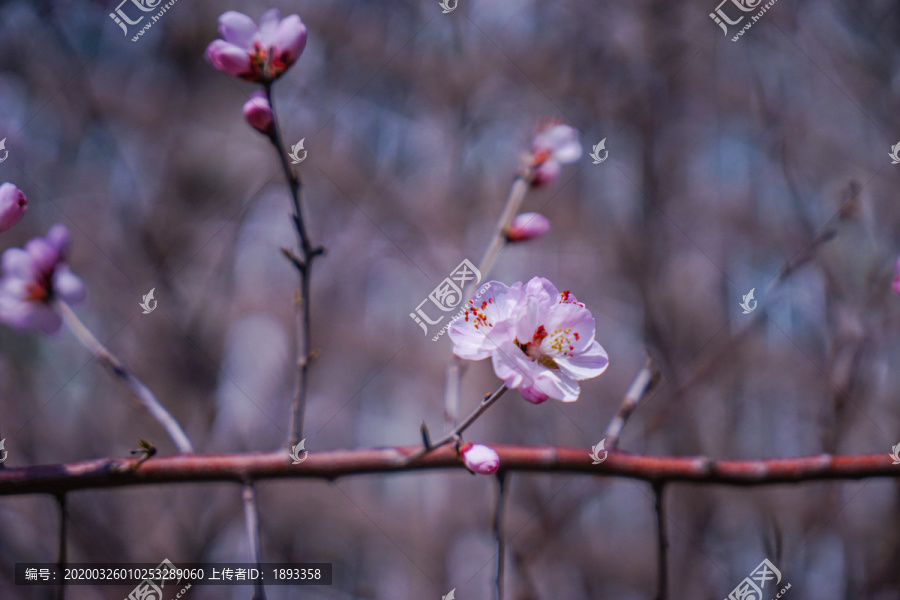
{"x": 662, "y": 541}
{"x": 61, "y": 553}
{"x": 848, "y": 206}
{"x": 498, "y": 532}
{"x": 251, "y": 516}
{"x": 643, "y": 381}
{"x": 457, "y": 432}
{"x": 117, "y": 472}
{"x": 454, "y": 372}
{"x": 144, "y": 394}
{"x": 303, "y": 264}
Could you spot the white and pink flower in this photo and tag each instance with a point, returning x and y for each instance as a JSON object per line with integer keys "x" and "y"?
{"x": 257, "y": 53}
{"x": 540, "y": 340}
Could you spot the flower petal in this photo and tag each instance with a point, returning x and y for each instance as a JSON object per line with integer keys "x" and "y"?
{"x": 290, "y": 40}
{"x": 585, "y": 365}
{"x": 228, "y": 58}
{"x": 67, "y": 285}
{"x": 237, "y": 28}
{"x": 486, "y": 322}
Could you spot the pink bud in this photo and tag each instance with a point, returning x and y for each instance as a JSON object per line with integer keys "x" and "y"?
{"x": 895, "y": 285}
{"x": 258, "y": 113}
{"x": 480, "y": 459}
{"x": 527, "y": 226}
{"x": 12, "y": 205}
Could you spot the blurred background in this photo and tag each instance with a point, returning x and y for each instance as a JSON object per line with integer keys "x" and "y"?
{"x": 726, "y": 161}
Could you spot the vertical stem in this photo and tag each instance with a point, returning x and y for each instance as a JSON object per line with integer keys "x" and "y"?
{"x": 304, "y": 267}
{"x": 662, "y": 542}
{"x": 61, "y": 554}
{"x": 143, "y": 393}
{"x": 498, "y": 533}
{"x": 498, "y": 238}
{"x": 251, "y": 516}
{"x": 513, "y": 203}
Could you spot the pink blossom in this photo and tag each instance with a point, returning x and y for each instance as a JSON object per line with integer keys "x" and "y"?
{"x": 12, "y": 205}
{"x": 480, "y": 459}
{"x": 896, "y": 284}
{"x": 33, "y": 278}
{"x": 257, "y": 53}
{"x": 258, "y": 113}
{"x": 527, "y": 226}
{"x": 554, "y": 146}
{"x": 540, "y": 340}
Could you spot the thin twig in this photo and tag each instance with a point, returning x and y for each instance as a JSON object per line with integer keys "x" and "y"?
{"x": 303, "y": 264}
{"x": 498, "y": 533}
{"x": 643, "y": 381}
{"x": 251, "y": 516}
{"x": 498, "y": 238}
{"x": 144, "y": 394}
{"x": 662, "y": 540}
{"x": 61, "y": 552}
{"x": 802, "y": 257}
{"x": 459, "y": 429}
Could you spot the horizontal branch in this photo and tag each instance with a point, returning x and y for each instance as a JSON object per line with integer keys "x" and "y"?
{"x": 117, "y": 472}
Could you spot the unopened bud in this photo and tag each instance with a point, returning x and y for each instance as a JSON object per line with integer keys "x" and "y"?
{"x": 258, "y": 113}
{"x": 480, "y": 459}
{"x": 527, "y": 226}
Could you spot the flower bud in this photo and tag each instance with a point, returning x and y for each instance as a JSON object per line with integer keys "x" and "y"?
{"x": 480, "y": 459}
{"x": 554, "y": 145}
{"x": 258, "y": 113}
{"x": 527, "y": 226}
{"x": 12, "y": 205}
{"x": 896, "y": 284}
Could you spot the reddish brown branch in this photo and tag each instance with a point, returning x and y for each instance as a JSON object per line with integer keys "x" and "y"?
{"x": 116, "y": 472}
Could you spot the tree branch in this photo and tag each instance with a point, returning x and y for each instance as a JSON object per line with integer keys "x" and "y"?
{"x": 117, "y": 472}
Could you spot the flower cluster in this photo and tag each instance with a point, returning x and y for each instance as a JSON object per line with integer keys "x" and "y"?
{"x": 540, "y": 340}
{"x": 35, "y": 277}
{"x": 257, "y": 53}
